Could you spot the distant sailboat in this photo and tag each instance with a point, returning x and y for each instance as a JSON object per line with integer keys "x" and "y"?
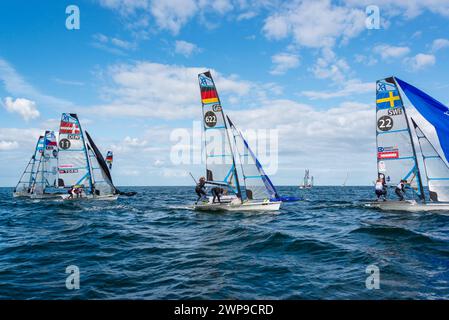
{"x": 251, "y": 188}
{"x": 45, "y": 183}
{"x": 109, "y": 159}
{"x": 346, "y": 179}
{"x": 307, "y": 181}
{"x": 27, "y": 179}
{"x": 396, "y": 153}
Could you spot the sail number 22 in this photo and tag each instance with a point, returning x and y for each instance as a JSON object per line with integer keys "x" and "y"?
{"x": 385, "y": 123}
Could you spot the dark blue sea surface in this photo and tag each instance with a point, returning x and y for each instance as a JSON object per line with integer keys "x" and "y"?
{"x": 152, "y": 246}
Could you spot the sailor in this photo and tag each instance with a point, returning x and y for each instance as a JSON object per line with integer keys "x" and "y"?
{"x": 71, "y": 192}
{"x": 79, "y": 191}
{"x": 400, "y": 189}
{"x": 217, "y": 192}
{"x": 200, "y": 189}
{"x": 381, "y": 189}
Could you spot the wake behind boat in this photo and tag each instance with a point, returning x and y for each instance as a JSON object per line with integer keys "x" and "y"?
{"x": 247, "y": 186}
{"x": 397, "y": 158}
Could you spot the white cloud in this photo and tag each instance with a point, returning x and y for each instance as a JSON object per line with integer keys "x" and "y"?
{"x": 351, "y": 88}
{"x": 439, "y": 44}
{"x": 128, "y": 144}
{"x": 112, "y": 44}
{"x": 314, "y": 24}
{"x": 125, "y": 6}
{"x": 329, "y": 66}
{"x": 284, "y": 62}
{"x": 69, "y": 82}
{"x": 420, "y": 61}
{"x": 173, "y": 14}
{"x": 26, "y": 108}
{"x": 386, "y": 51}
{"x": 246, "y": 15}
{"x": 220, "y": 6}
{"x": 16, "y": 85}
{"x": 367, "y": 60}
{"x": 186, "y": 48}
{"x": 26, "y": 139}
{"x": 8, "y": 145}
{"x": 406, "y": 8}
{"x": 153, "y": 90}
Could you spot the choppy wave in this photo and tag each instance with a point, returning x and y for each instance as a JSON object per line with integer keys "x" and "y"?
{"x": 152, "y": 246}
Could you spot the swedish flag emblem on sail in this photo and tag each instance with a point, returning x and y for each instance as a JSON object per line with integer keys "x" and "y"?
{"x": 388, "y": 99}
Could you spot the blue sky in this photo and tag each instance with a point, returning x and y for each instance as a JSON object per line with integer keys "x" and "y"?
{"x": 305, "y": 68}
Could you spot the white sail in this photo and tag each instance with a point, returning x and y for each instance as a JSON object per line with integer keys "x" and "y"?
{"x": 257, "y": 185}
{"x": 47, "y": 170}
{"x": 437, "y": 172}
{"x": 73, "y": 166}
{"x": 23, "y": 187}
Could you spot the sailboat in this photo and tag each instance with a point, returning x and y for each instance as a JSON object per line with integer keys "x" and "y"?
{"x": 247, "y": 189}
{"x": 45, "y": 182}
{"x": 397, "y": 156}
{"x": 80, "y": 163}
{"x": 23, "y": 187}
{"x": 307, "y": 181}
{"x": 346, "y": 180}
{"x": 109, "y": 159}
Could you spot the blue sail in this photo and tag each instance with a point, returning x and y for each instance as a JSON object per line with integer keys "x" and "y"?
{"x": 432, "y": 110}
{"x": 257, "y": 176}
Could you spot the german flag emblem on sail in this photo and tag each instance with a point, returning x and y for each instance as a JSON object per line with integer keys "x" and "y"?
{"x": 209, "y": 95}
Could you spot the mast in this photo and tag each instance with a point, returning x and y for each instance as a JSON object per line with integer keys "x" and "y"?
{"x": 421, "y": 189}
{"x": 239, "y": 191}
{"x": 85, "y": 153}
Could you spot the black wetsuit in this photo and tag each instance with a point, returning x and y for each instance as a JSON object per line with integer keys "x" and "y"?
{"x": 400, "y": 191}
{"x": 200, "y": 190}
{"x": 217, "y": 192}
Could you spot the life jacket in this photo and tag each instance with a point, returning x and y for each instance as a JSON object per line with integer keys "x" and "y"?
{"x": 379, "y": 186}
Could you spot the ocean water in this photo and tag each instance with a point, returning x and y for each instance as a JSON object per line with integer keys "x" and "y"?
{"x": 152, "y": 247}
